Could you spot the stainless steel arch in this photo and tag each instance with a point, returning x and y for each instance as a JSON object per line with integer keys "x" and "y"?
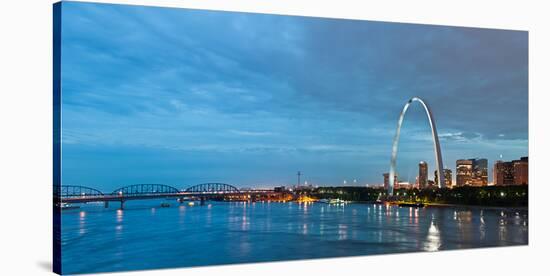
{"x": 437, "y": 148}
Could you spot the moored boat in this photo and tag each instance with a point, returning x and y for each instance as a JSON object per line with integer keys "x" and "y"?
{"x": 67, "y": 206}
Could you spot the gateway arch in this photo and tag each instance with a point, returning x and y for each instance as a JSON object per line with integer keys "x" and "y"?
{"x": 437, "y": 148}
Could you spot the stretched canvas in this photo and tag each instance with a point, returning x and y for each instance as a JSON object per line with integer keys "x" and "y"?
{"x": 188, "y": 137}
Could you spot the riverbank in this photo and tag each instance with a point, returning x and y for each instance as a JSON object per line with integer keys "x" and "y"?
{"x": 487, "y": 207}
{"x": 522, "y": 208}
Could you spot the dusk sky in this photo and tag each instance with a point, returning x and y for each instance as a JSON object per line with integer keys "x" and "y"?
{"x": 181, "y": 97}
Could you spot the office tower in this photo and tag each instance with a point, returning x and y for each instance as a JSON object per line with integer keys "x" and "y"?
{"x": 423, "y": 174}
{"x": 448, "y": 177}
{"x": 464, "y": 168}
{"x": 387, "y": 180}
{"x": 521, "y": 171}
{"x": 503, "y": 173}
{"x": 479, "y": 172}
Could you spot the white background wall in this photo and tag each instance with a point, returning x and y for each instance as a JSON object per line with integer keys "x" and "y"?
{"x": 26, "y": 122}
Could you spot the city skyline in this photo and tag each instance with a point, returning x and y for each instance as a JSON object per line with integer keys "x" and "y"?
{"x": 470, "y": 172}
{"x": 250, "y": 99}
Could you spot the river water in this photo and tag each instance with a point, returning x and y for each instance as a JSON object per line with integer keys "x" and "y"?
{"x": 146, "y": 236}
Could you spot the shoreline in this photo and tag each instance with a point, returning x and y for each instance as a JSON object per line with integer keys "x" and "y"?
{"x": 438, "y": 205}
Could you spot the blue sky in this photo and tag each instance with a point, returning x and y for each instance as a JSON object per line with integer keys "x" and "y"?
{"x": 177, "y": 96}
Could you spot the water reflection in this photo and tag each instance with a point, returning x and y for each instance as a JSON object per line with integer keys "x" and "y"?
{"x": 481, "y": 225}
{"x": 502, "y": 230}
{"x": 82, "y": 223}
{"x": 245, "y": 232}
{"x": 433, "y": 240}
{"x": 119, "y": 219}
{"x": 245, "y": 224}
{"x": 119, "y": 215}
{"x": 342, "y": 231}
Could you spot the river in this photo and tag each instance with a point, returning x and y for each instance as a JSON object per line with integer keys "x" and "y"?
{"x": 146, "y": 236}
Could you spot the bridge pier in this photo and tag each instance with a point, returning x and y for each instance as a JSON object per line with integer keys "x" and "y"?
{"x": 106, "y": 204}
{"x": 203, "y": 199}
{"x": 122, "y": 205}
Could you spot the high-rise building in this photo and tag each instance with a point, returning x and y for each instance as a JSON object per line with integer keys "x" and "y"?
{"x": 471, "y": 172}
{"x": 479, "y": 172}
{"x": 514, "y": 172}
{"x": 503, "y": 173}
{"x": 431, "y": 184}
{"x": 404, "y": 185}
{"x": 521, "y": 171}
{"x": 464, "y": 168}
{"x": 387, "y": 180}
{"x": 448, "y": 177}
{"x": 423, "y": 174}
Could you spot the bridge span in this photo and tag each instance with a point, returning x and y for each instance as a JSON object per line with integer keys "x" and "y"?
{"x": 72, "y": 194}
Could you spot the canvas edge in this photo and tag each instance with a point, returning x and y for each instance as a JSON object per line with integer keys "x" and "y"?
{"x": 56, "y": 156}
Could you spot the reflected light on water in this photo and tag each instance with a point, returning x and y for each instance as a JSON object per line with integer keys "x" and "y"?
{"x": 433, "y": 240}
{"x": 245, "y": 224}
{"x": 342, "y": 231}
{"x": 517, "y": 219}
{"x": 502, "y": 232}
{"x": 82, "y": 223}
{"x": 119, "y": 215}
{"x": 397, "y": 214}
{"x": 481, "y": 226}
{"x": 278, "y": 231}
{"x": 181, "y": 214}
{"x": 463, "y": 216}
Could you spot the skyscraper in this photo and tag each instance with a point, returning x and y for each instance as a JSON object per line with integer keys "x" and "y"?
{"x": 521, "y": 171}
{"x": 471, "y": 172}
{"x": 423, "y": 174}
{"x": 503, "y": 173}
{"x": 464, "y": 168}
{"x": 387, "y": 180}
{"x": 479, "y": 172}
{"x": 514, "y": 172}
{"x": 448, "y": 177}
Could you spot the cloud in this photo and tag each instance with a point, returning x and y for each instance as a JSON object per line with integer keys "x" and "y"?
{"x": 251, "y": 133}
{"x": 206, "y": 82}
{"x": 460, "y": 137}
